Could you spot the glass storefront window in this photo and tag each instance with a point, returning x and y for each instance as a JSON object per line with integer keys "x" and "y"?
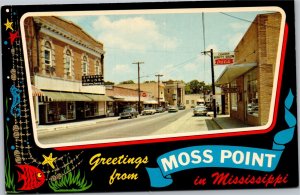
{"x": 91, "y": 109}
{"x": 233, "y": 97}
{"x": 60, "y": 111}
{"x": 252, "y": 93}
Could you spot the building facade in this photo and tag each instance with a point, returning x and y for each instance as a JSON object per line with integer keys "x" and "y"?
{"x": 157, "y": 93}
{"x": 59, "y": 54}
{"x": 175, "y": 92}
{"x": 192, "y": 100}
{"x": 249, "y": 82}
{"x": 124, "y": 98}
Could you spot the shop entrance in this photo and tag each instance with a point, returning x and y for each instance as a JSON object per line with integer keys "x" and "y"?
{"x": 79, "y": 110}
{"x": 42, "y": 114}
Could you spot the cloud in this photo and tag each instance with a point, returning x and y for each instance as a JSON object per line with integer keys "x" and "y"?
{"x": 237, "y": 26}
{"x": 122, "y": 68}
{"x": 190, "y": 67}
{"x": 136, "y": 33}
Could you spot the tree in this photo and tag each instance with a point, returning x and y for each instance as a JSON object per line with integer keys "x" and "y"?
{"x": 196, "y": 87}
{"x": 109, "y": 83}
{"x": 150, "y": 82}
{"x": 127, "y": 82}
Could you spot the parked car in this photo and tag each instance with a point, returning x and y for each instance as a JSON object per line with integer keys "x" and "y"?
{"x": 160, "y": 109}
{"x": 173, "y": 109}
{"x": 129, "y": 113}
{"x": 200, "y": 110}
{"x": 148, "y": 111}
{"x": 181, "y": 107}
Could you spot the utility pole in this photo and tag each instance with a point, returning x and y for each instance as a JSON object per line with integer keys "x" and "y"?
{"x": 158, "y": 91}
{"x": 139, "y": 87}
{"x": 177, "y": 100}
{"x": 212, "y": 79}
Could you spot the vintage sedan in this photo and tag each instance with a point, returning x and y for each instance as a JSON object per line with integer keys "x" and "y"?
{"x": 200, "y": 110}
{"x": 129, "y": 113}
{"x": 173, "y": 109}
{"x": 148, "y": 111}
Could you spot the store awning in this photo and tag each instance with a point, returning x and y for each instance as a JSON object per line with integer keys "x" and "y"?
{"x": 232, "y": 72}
{"x": 36, "y": 91}
{"x": 98, "y": 98}
{"x": 150, "y": 102}
{"x": 126, "y": 98}
{"x": 65, "y": 96}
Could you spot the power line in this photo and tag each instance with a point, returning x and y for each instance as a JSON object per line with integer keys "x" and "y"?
{"x": 248, "y": 21}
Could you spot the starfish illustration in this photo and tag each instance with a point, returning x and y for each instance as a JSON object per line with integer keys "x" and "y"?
{"x": 13, "y": 36}
{"x": 49, "y": 160}
{"x": 8, "y": 25}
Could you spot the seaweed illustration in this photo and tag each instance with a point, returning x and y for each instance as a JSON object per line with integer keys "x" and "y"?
{"x": 70, "y": 182}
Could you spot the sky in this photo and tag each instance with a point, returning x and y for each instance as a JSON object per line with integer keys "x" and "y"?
{"x": 167, "y": 43}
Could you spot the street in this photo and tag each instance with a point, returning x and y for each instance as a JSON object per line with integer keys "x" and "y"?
{"x": 182, "y": 121}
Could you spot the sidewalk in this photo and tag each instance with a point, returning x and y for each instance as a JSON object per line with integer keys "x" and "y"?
{"x": 46, "y": 128}
{"x": 226, "y": 122}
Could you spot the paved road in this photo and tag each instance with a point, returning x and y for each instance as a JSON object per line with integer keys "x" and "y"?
{"x": 154, "y": 125}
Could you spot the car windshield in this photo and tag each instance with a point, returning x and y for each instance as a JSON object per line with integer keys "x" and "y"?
{"x": 127, "y": 110}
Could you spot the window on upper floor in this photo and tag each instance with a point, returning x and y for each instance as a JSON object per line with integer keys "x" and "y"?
{"x": 84, "y": 65}
{"x": 68, "y": 65}
{"x": 98, "y": 68}
{"x": 48, "y": 54}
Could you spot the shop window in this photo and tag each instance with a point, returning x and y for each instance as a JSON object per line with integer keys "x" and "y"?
{"x": 91, "y": 109}
{"x": 252, "y": 93}
{"x": 60, "y": 111}
{"x": 233, "y": 97}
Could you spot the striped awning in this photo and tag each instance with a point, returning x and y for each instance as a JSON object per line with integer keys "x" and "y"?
{"x": 36, "y": 91}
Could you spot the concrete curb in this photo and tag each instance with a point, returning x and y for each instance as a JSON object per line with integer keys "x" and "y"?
{"x": 216, "y": 122}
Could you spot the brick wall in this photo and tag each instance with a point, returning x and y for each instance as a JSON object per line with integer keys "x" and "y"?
{"x": 260, "y": 45}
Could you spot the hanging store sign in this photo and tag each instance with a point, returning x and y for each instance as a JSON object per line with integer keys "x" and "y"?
{"x": 89, "y": 80}
{"x": 230, "y": 90}
{"x": 223, "y": 58}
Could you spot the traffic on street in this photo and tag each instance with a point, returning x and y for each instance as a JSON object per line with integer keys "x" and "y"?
{"x": 164, "y": 123}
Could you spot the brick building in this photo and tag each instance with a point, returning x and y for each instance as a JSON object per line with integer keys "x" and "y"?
{"x": 123, "y": 98}
{"x": 175, "y": 92}
{"x": 151, "y": 88}
{"x": 59, "y": 54}
{"x": 251, "y": 78}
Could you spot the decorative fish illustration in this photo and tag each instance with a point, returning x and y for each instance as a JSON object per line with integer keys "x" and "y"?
{"x": 33, "y": 177}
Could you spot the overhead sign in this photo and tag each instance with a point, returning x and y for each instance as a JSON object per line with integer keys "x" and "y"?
{"x": 89, "y": 80}
{"x": 230, "y": 90}
{"x": 223, "y": 58}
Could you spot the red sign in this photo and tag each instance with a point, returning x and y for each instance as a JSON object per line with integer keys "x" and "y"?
{"x": 223, "y": 61}
{"x": 223, "y": 58}
{"x": 144, "y": 94}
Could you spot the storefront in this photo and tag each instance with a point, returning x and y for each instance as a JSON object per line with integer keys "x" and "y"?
{"x": 57, "y": 107}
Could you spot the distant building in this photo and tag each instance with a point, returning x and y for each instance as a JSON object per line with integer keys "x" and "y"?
{"x": 59, "y": 54}
{"x": 125, "y": 97}
{"x": 175, "y": 92}
{"x": 151, "y": 88}
{"x": 192, "y": 100}
{"x": 248, "y": 83}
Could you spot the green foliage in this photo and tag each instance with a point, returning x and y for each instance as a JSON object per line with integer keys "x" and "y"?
{"x": 70, "y": 183}
{"x": 150, "y": 82}
{"x": 9, "y": 177}
{"x": 127, "y": 82}
{"x": 196, "y": 87}
{"x": 109, "y": 83}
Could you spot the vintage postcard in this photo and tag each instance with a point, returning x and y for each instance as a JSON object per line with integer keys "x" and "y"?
{"x": 149, "y": 96}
